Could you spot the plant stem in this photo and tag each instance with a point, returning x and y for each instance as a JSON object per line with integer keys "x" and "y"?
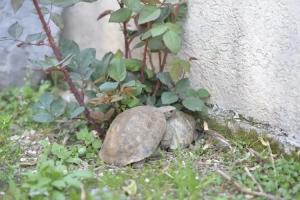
{"x": 162, "y": 65}
{"x": 144, "y": 62}
{"x": 125, "y": 33}
{"x": 56, "y": 51}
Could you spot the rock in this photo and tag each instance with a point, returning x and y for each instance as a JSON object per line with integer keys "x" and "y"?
{"x": 180, "y": 131}
{"x": 133, "y": 136}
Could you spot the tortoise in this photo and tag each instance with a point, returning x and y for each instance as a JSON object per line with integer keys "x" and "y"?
{"x": 137, "y": 133}
{"x": 180, "y": 132}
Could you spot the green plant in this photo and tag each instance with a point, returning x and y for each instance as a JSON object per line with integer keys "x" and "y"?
{"x": 51, "y": 180}
{"x": 118, "y": 81}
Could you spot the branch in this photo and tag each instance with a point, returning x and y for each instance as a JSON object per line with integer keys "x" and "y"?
{"x": 144, "y": 62}
{"x": 125, "y": 33}
{"x": 56, "y": 51}
{"x": 162, "y": 65}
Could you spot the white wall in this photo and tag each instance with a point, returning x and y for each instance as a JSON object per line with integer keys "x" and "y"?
{"x": 249, "y": 57}
{"x": 248, "y": 54}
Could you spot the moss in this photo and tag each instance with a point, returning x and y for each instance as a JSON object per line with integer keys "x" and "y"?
{"x": 246, "y": 139}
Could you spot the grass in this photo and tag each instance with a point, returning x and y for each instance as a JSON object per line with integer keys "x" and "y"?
{"x": 183, "y": 174}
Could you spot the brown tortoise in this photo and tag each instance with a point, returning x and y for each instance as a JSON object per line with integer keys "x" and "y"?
{"x": 137, "y": 133}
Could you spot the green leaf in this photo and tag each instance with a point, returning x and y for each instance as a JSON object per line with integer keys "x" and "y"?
{"x": 60, "y": 151}
{"x": 96, "y": 144}
{"x": 203, "y": 93}
{"x": 133, "y": 65}
{"x": 150, "y": 73}
{"x": 77, "y": 111}
{"x": 15, "y": 30}
{"x": 172, "y": 40}
{"x": 156, "y": 44}
{"x": 43, "y": 117}
{"x": 175, "y": 27}
{"x": 165, "y": 12}
{"x": 139, "y": 45}
{"x": 34, "y": 37}
{"x": 117, "y": 69}
{"x": 193, "y": 104}
{"x": 59, "y": 184}
{"x": 131, "y": 102}
{"x": 165, "y": 78}
{"x": 57, "y": 195}
{"x": 16, "y": 4}
{"x": 151, "y": 100}
{"x": 149, "y": 13}
{"x": 133, "y": 5}
{"x": 179, "y": 68}
{"x": 169, "y": 98}
{"x": 68, "y": 47}
{"x": 146, "y": 35}
{"x": 85, "y": 136}
{"x": 58, "y": 107}
{"x": 108, "y": 86}
{"x": 158, "y": 30}
{"x": 60, "y": 3}
{"x": 86, "y": 57}
{"x": 46, "y": 101}
{"x": 182, "y": 87}
{"x": 121, "y": 15}
{"x": 57, "y": 19}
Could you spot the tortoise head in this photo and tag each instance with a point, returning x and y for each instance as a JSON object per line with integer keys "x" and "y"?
{"x": 168, "y": 111}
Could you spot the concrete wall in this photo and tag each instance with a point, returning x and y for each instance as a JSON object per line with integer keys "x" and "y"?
{"x": 249, "y": 58}
{"x": 248, "y": 55}
{"x": 14, "y": 63}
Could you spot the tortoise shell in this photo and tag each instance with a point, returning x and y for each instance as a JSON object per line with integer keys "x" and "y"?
{"x": 180, "y": 131}
{"x": 133, "y": 136}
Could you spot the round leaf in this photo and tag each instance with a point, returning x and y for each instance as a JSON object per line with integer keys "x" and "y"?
{"x": 43, "y": 117}
{"x": 169, "y": 98}
{"x": 172, "y": 41}
{"x": 148, "y": 13}
{"x": 108, "y": 86}
{"x": 165, "y": 78}
{"x": 117, "y": 69}
{"x": 182, "y": 86}
{"x": 158, "y": 30}
{"x": 121, "y": 15}
{"x": 193, "y": 104}
{"x": 133, "y": 65}
{"x": 134, "y": 5}
{"x": 15, "y": 30}
{"x": 16, "y": 4}
{"x": 203, "y": 93}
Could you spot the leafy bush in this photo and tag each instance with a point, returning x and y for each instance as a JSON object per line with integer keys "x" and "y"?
{"x": 104, "y": 87}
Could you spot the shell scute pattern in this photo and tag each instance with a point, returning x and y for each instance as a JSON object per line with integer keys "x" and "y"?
{"x": 134, "y": 135}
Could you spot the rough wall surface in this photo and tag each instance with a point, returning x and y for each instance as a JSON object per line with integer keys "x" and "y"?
{"x": 249, "y": 58}
{"x": 13, "y": 59}
{"x": 81, "y": 25}
{"x": 248, "y": 54}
